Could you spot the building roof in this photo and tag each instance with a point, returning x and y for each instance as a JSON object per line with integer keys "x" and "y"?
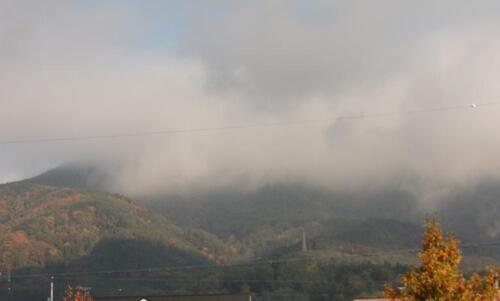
{"x": 210, "y": 297}
{"x": 385, "y": 299}
{"x": 372, "y": 299}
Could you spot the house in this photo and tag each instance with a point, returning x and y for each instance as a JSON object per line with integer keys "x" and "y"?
{"x": 210, "y": 297}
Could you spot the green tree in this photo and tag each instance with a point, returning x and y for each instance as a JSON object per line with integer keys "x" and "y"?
{"x": 438, "y": 278}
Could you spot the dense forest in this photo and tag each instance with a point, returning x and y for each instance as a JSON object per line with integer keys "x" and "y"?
{"x": 293, "y": 280}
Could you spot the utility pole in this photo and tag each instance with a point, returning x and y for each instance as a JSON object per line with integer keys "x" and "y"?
{"x": 304, "y": 241}
{"x": 51, "y": 288}
{"x": 9, "y": 284}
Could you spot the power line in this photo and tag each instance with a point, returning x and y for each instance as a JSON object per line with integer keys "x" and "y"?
{"x": 285, "y": 281}
{"x": 414, "y": 250}
{"x": 255, "y": 263}
{"x": 244, "y": 126}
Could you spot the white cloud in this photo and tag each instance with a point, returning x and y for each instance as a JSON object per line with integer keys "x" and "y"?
{"x": 71, "y": 73}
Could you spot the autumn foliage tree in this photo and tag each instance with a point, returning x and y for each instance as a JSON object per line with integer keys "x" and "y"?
{"x": 438, "y": 278}
{"x": 77, "y": 294}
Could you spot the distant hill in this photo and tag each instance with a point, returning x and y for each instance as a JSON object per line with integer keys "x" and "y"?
{"x": 76, "y": 175}
{"x": 45, "y": 224}
{"x": 270, "y": 220}
{"x": 274, "y": 217}
{"x": 57, "y": 222}
{"x": 383, "y": 233}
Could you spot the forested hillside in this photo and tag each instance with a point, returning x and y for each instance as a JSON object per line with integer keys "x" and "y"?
{"x": 41, "y": 224}
{"x": 69, "y": 232}
{"x": 354, "y": 242}
{"x": 269, "y": 221}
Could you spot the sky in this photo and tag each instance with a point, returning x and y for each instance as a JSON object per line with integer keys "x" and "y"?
{"x": 87, "y": 68}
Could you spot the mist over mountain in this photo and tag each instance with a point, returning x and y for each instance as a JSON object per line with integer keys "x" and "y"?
{"x": 266, "y": 211}
{"x": 90, "y": 71}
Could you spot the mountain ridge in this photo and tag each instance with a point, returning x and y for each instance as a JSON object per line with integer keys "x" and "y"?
{"x": 259, "y": 222}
